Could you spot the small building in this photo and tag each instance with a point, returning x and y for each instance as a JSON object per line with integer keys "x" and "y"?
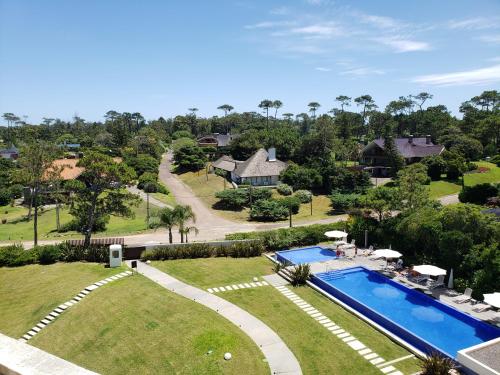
{"x": 261, "y": 169}
{"x": 215, "y": 140}
{"x": 10, "y": 153}
{"x": 412, "y": 149}
{"x": 225, "y": 164}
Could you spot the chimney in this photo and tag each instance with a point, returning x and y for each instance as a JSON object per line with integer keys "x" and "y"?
{"x": 410, "y": 139}
{"x": 428, "y": 139}
{"x": 271, "y": 154}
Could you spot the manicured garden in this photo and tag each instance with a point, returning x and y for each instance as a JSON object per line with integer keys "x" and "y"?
{"x": 136, "y": 326}
{"x": 17, "y": 228}
{"x": 318, "y": 351}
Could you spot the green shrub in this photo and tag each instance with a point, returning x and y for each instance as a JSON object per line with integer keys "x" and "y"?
{"x": 343, "y": 202}
{"x": 284, "y": 189}
{"x": 48, "y": 254}
{"x": 4, "y": 197}
{"x": 16, "y": 191}
{"x": 436, "y": 364}
{"x": 95, "y": 253}
{"x": 245, "y": 249}
{"x": 15, "y": 255}
{"x": 147, "y": 177}
{"x": 304, "y": 196}
{"x": 239, "y": 198}
{"x": 436, "y": 166}
{"x": 300, "y": 274}
{"x": 284, "y": 238}
{"x": 268, "y": 210}
{"x": 478, "y": 194}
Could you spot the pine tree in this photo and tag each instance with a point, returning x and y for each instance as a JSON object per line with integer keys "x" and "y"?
{"x": 394, "y": 159}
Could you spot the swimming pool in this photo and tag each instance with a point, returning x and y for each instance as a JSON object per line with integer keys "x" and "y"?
{"x": 421, "y": 321}
{"x": 305, "y": 255}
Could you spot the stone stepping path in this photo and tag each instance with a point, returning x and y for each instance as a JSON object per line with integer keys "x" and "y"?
{"x": 344, "y": 336}
{"x": 61, "y": 308}
{"x": 228, "y": 288}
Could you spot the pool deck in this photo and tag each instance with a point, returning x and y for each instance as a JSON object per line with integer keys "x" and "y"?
{"x": 442, "y": 294}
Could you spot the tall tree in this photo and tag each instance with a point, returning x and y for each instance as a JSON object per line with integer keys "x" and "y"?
{"x": 167, "y": 218}
{"x": 277, "y": 104}
{"x": 193, "y": 111}
{"x": 288, "y": 116}
{"x": 35, "y": 160}
{"x": 226, "y": 108}
{"x": 412, "y": 192}
{"x": 367, "y": 103}
{"x": 344, "y": 100}
{"x": 99, "y": 192}
{"x": 265, "y": 105}
{"x": 421, "y": 98}
{"x": 394, "y": 159}
{"x": 313, "y": 106}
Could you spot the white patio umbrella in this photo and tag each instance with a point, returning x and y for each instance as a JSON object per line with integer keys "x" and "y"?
{"x": 492, "y": 299}
{"x": 387, "y": 254}
{"x": 336, "y": 234}
{"x": 450, "y": 280}
{"x": 427, "y": 269}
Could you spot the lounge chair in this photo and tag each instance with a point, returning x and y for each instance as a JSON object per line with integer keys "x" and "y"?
{"x": 439, "y": 283}
{"x": 419, "y": 279}
{"x": 466, "y": 297}
{"x": 480, "y": 307}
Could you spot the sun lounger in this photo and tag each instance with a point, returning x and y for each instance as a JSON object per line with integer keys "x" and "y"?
{"x": 466, "y": 297}
{"x": 480, "y": 307}
{"x": 439, "y": 283}
{"x": 419, "y": 279}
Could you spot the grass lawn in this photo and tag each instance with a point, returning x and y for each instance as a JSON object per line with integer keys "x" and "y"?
{"x": 29, "y": 293}
{"x": 206, "y": 190}
{"x": 135, "y": 326}
{"x": 165, "y": 198}
{"x": 318, "y": 351}
{"x": 442, "y": 188}
{"x": 18, "y": 228}
{"x": 206, "y": 273}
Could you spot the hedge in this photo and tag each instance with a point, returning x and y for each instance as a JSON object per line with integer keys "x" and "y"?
{"x": 245, "y": 249}
{"x": 15, "y": 255}
{"x": 285, "y": 238}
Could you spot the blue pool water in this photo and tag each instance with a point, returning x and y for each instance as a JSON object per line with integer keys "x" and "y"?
{"x": 305, "y": 255}
{"x": 423, "y": 322}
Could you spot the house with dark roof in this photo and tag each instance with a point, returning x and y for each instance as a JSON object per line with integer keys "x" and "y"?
{"x": 215, "y": 140}
{"x": 412, "y": 149}
{"x": 260, "y": 169}
{"x": 10, "y": 153}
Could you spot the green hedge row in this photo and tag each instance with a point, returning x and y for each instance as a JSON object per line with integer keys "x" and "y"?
{"x": 16, "y": 255}
{"x": 285, "y": 238}
{"x": 204, "y": 250}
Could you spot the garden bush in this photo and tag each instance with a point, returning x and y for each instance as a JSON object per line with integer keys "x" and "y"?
{"x": 268, "y": 210}
{"x": 436, "y": 166}
{"x": 244, "y": 249}
{"x": 95, "y": 253}
{"x": 343, "y": 202}
{"x": 300, "y": 274}
{"x": 304, "y": 196}
{"x": 478, "y": 194}
{"x": 239, "y": 198}
{"x": 4, "y": 197}
{"x": 48, "y": 254}
{"x": 284, "y": 189}
{"x": 15, "y": 255}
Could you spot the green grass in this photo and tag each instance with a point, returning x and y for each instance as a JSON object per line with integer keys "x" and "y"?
{"x": 318, "y": 351}
{"x": 135, "y": 326}
{"x": 18, "y": 228}
{"x": 206, "y": 273}
{"x": 29, "y": 293}
{"x": 441, "y": 188}
{"x": 165, "y": 198}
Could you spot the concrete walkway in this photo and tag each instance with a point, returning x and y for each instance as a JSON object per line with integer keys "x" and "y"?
{"x": 280, "y": 359}
{"x": 16, "y": 357}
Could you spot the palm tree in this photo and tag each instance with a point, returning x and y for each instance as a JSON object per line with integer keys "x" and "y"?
{"x": 193, "y": 111}
{"x": 265, "y": 105}
{"x": 344, "y": 100}
{"x": 186, "y": 231}
{"x": 313, "y": 106}
{"x": 166, "y": 218}
{"x": 183, "y": 214}
{"x": 277, "y": 104}
{"x": 288, "y": 116}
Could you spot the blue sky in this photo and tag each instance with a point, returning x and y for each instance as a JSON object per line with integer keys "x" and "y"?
{"x": 60, "y": 58}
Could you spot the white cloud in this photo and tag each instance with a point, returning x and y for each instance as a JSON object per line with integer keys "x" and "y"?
{"x": 269, "y": 25}
{"x": 478, "y": 23}
{"x": 404, "y": 45}
{"x": 326, "y": 30}
{"x": 321, "y": 69}
{"x": 471, "y": 77}
{"x": 381, "y": 22}
{"x": 280, "y": 11}
{"x": 303, "y": 49}
{"x": 318, "y": 2}
{"x": 358, "y": 72}
{"x": 493, "y": 39}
